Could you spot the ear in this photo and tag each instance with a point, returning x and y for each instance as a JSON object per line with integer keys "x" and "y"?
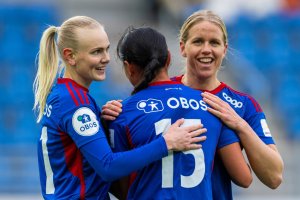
{"x": 129, "y": 68}
{"x": 69, "y": 56}
{"x": 168, "y": 59}
{"x": 182, "y": 49}
{"x": 225, "y": 50}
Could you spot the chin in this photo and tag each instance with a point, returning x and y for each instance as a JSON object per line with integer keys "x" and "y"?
{"x": 100, "y": 78}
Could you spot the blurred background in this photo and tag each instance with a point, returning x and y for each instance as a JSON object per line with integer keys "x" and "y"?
{"x": 263, "y": 61}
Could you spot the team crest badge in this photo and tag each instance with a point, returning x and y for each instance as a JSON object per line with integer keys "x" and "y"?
{"x": 85, "y": 122}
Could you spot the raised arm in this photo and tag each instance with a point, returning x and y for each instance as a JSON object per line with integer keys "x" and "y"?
{"x": 265, "y": 160}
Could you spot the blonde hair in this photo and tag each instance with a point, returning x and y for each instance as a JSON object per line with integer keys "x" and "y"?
{"x": 49, "y": 58}
{"x": 199, "y": 16}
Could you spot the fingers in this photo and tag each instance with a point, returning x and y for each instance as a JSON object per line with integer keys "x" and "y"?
{"x": 178, "y": 123}
{"x": 194, "y": 146}
{"x": 198, "y": 132}
{"x": 217, "y": 107}
{"x": 211, "y": 96}
{"x": 193, "y": 127}
{"x": 111, "y": 109}
{"x": 211, "y": 100}
{"x": 181, "y": 138}
{"x": 108, "y": 117}
{"x": 198, "y": 139}
{"x": 194, "y": 142}
{"x": 214, "y": 112}
{"x": 117, "y": 103}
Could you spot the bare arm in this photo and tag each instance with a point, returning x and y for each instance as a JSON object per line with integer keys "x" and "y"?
{"x": 235, "y": 164}
{"x": 265, "y": 160}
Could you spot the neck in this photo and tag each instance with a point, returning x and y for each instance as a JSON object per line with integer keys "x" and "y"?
{"x": 161, "y": 76}
{"x": 77, "y": 79}
{"x": 195, "y": 82}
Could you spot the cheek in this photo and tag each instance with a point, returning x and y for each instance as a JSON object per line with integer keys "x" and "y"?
{"x": 221, "y": 56}
{"x": 191, "y": 54}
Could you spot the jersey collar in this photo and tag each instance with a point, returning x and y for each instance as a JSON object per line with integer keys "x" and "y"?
{"x": 68, "y": 80}
{"x": 170, "y": 82}
{"x": 214, "y": 91}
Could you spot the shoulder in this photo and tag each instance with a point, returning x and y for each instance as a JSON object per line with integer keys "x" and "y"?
{"x": 67, "y": 99}
{"x": 177, "y": 78}
{"x": 238, "y": 99}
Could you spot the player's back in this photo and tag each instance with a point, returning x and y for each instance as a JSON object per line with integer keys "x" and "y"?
{"x": 148, "y": 114}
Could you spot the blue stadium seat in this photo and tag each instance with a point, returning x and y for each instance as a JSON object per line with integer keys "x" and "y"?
{"x": 22, "y": 28}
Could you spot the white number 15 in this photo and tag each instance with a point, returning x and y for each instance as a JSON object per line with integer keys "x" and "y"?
{"x": 168, "y": 162}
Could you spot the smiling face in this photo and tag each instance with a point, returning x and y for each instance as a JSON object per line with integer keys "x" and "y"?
{"x": 204, "y": 50}
{"x": 92, "y": 56}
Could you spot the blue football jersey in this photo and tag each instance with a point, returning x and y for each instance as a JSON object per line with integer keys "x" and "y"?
{"x": 249, "y": 109}
{"x": 145, "y": 117}
{"x": 75, "y": 160}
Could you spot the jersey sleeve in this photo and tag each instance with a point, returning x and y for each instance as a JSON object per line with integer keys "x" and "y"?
{"x": 227, "y": 137}
{"x": 256, "y": 118}
{"x": 111, "y": 166}
{"x": 82, "y": 125}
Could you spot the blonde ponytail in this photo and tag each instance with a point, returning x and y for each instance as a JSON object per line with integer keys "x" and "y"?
{"x": 47, "y": 70}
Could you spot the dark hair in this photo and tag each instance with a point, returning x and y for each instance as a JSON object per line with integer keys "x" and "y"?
{"x": 146, "y": 48}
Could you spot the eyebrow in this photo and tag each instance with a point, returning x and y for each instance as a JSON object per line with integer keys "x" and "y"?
{"x": 100, "y": 48}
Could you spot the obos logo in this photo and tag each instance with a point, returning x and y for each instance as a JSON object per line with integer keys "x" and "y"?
{"x": 150, "y": 105}
{"x": 84, "y": 122}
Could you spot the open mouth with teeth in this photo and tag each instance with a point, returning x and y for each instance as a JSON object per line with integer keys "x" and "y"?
{"x": 100, "y": 68}
{"x": 206, "y": 60}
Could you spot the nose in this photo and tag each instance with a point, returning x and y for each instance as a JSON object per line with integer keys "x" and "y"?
{"x": 206, "y": 48}
{"x": 105, "y": 57}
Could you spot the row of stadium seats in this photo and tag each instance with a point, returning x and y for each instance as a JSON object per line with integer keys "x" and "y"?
{"x": 20, "y": 31}
{"x": 272, "y": 45}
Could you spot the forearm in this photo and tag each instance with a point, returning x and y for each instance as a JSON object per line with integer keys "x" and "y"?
{"x": 265, "y": 160}
{"x": 235, "y": 164}
{"x": 111, "y": 166}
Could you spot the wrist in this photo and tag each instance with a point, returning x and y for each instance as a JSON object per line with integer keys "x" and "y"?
{"x": 242, "y": 127}
{"x": 168, "y": 143}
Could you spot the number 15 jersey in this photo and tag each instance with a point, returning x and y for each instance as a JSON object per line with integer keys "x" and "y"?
{"x": 145, "y": 117}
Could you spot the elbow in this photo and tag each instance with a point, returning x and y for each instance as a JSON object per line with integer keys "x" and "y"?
{"x": 245, "y": 182}
{"x": 108, "y": 177}
{"x": 275, "y": 178}
{"x": 107, "y": 174}
{"x": 275, "y": 182}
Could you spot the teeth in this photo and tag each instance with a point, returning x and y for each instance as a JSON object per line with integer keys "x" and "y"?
{"x": 206, "y": 60}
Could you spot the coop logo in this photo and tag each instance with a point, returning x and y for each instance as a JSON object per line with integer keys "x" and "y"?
{"x": 85, "y": 122}
{"x": 234, "y": 102}
{"x": 150, "y": 105}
